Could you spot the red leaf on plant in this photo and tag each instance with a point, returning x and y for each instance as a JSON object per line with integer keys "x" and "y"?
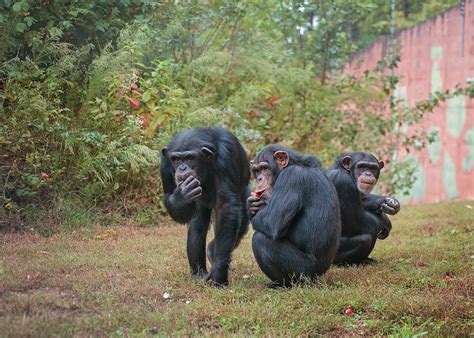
{"x": 134, "y": 103}
{"x": 253, "y": 114}
{"x": 272, "y": 101}
{"x": 144, "y": 120}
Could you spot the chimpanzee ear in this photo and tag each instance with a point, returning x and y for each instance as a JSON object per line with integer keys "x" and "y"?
{"x": 381, "y": 164}
{"x": 164, "y": 152}
{"x": 208, "y": 153}
{"x": 346, "y": 162}
{"x": 281, "y": 158}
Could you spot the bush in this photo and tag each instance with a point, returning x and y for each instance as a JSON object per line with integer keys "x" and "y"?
{"x": 84, "y": 119}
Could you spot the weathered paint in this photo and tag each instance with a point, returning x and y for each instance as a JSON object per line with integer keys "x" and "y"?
{"x": 434, "y": 148}
{"x": 449, "y": 176}
{"x": 431, "y": 60}
{"x": 436, "y": 79}
{"x": 417, "y": 191}
{"x": 455, "y": 116}
{"x": 468, "y": 161}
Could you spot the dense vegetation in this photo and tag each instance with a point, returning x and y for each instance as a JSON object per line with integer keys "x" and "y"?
{"x": 91, "y": 90}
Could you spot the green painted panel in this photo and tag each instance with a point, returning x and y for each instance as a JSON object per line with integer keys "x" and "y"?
{"x": 417, "y": 191}
{"x": 448, "y": 173}
{"x": 436, "y": 53}
{"x": 456, "y": 115}
{"x": 436, "y": 79}
{"x": 434, "y": 148}
{"x": 468, "y": 161}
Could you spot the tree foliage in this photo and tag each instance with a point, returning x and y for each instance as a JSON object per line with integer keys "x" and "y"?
{"x": 91, "y": 91}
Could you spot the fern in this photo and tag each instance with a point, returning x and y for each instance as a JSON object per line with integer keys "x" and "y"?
{"x": 116, "y": 159}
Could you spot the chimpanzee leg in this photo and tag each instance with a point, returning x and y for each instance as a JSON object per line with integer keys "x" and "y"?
{"x": 226, "y": 230}
{"x": 374, "y": 222}
{"x": 196, "y": 243}
{"x": 385, "y": 225}
{"x": 244, "y": 227}
{"x": 244, "y": 222}
{"x": 282, "y": 261}
{"x": 354, "y": 249}
{"x": 210, "y": 251}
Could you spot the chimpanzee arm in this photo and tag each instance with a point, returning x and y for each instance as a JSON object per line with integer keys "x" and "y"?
{"x": 180, "y": 209}
{"x": 372, "y": 202}
{"x": 380, "y": 204}
{"x": 276, "y": 217}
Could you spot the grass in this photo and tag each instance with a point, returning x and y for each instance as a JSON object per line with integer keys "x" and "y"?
{"x": 111, "y": 281}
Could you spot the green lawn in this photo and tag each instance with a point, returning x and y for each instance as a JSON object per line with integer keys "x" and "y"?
{"x": 78, "y": 284}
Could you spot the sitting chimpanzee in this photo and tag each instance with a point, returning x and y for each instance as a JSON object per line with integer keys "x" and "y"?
{"x": 362, "y": 214}
{"x": 201, "y": 170}
{"x": 295, "y": 214}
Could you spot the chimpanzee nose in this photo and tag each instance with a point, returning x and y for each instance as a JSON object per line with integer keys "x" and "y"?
{"x": 183, "y": 167}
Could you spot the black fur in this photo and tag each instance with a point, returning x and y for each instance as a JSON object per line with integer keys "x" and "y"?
{"x": 224, "y": 181}
{"x": 361, "y": 214}
{"x": 297, "y": 230}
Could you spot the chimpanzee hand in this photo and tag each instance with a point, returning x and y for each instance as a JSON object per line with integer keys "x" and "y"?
{"x": 254, "y": 204}
{"x": 390, "y": 206}
{"x": 188, "y": 190}
{"x": 385, "y": 231}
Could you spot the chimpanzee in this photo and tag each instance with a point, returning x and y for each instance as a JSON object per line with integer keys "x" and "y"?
{"x": 363, "y": 214}
{"x": 201, "y": 170}
{"x": 295, "y": 214}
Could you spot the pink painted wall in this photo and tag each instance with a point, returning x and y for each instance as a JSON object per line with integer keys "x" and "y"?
{"x": 431, "y": 59}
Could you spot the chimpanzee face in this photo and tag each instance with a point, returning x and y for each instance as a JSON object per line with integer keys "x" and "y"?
{"x": 265, "y": 169}
{"x": 188, "y": 162}
{"x": 263, "y": 177}
{"x": 365, "y": 172}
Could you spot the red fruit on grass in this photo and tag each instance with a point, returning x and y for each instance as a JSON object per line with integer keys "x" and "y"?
{"x": 133, "y": 86}
{"x": 134, "y": 103}
{"x": 447, "y": 278}
{"x": 349, "y": 311}
{"x": 44, "y": 176}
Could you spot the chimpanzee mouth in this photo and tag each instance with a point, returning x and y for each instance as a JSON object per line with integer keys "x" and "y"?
{"x": 261, "y": 191}
{"x": 367, "y": 180}
{"x": 366, "y": 185}
{"x": 180, "y": 178}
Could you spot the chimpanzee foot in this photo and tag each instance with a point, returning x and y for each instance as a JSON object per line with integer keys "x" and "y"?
{"x": 369, "y": 261}
{"x": 276, "y": 285}
{"x": 217, "y": 279}
{"x": 201, "y": 273}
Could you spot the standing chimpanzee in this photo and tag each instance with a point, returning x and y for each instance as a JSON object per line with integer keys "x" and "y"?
{"x": 363, "y": 214}
{"x": 201, "y": 170}
{"x": 295, "y": 214}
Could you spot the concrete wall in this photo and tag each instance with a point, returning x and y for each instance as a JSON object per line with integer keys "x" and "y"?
{"x": 433, "y": 58}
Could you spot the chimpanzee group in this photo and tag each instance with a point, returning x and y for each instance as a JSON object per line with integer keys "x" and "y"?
{"x": 304, "y": 218}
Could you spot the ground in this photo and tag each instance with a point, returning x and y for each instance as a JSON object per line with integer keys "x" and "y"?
{"x": 115, "y": 281}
